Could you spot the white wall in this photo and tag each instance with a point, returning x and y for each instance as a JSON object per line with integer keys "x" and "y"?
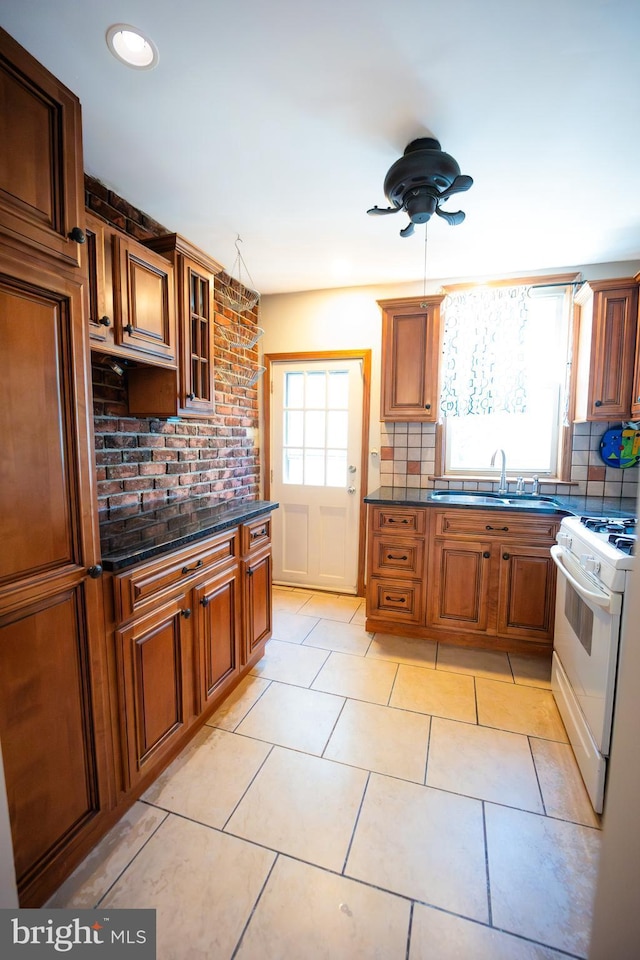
{"x": 8, "y": 891}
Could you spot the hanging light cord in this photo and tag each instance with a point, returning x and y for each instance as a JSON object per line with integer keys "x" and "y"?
{"x": 424, "y": 282}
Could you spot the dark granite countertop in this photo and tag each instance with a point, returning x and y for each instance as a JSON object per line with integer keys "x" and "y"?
{"x": 556, "y": 503}
{"x": 130, "y": 535}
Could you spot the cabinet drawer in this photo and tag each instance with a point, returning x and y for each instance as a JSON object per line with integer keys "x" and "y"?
{"x": 394, "y": 556}
{"x": 255, "y": 534}
{"x": 138, "y": 589}
{"x": 398, "y": 600}
{"x": 494, "y": 523}
{"x": 402, "y": 520}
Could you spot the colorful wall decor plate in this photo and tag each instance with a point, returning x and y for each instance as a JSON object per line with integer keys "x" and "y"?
{"x": 620, "y": 447}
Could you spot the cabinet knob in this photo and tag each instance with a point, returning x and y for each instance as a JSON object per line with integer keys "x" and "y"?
{"x": 427, "y": 406}
{"x": 77, "y": 235}
{"x": 505, "y": 556}
{"x": 128, "y": 328}
{"x": 249, "y": 572}
{"x": 205, "y": 601}
{"x": 95, "y": 572}
{"x": 186, "y": 613}
{"x": 486, "y": 554}
{"x": 598, "y": 403}
{"x": 104, "y": 321}
{"x": 191, "y": 396}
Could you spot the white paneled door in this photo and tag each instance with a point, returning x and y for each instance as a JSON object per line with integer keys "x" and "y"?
{"x": 316, "y": 441}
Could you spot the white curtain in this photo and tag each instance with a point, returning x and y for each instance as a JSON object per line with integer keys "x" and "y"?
{"x": 484, "y": 362}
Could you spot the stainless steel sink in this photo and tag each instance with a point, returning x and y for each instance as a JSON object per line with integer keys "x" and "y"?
{"x": 494, "y": 499}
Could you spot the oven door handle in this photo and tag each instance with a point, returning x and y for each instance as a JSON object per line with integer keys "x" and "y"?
{"x": 604, "y": 600}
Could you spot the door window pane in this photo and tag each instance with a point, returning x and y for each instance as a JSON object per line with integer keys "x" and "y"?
{"x": 316, "y": 428}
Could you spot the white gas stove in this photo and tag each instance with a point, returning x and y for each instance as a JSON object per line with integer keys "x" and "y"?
{"x": 594, "y": 557}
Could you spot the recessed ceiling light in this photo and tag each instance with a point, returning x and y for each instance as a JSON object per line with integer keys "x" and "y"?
{"x": 132, "y": 47}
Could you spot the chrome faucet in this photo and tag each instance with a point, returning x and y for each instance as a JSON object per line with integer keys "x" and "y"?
{"x": 502, "y": 486}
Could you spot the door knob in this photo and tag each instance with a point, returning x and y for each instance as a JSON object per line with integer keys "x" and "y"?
{"x": 352, "y": 469}
{"x": 351, "y": 490}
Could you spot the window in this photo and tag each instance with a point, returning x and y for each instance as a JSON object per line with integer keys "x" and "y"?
{"x": 504, "y": 375}
{"x": 316, "y": 428}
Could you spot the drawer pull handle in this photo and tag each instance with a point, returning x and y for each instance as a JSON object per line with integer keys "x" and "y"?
{"x": 489, "y": 527}
{"x": 393, "y": 520}
{"x": 258, "y": 533}
{"x": 396, "y": 599}
{"x": 486, "y": 555}
{"x": 186, "y": 613}
{"x": 505, "y": 556}
{"x": 194, "y": 567}
{"x": 390, "y": 556}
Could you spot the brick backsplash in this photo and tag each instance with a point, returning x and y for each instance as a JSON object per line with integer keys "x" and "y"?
{"x": 148, "y": 462}
{"x": 407, "y": 460}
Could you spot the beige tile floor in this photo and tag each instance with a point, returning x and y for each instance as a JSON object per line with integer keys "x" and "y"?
{"x": 362, "y": 796}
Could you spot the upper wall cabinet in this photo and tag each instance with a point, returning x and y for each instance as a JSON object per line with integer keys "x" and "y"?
{"x": 608, "y": 315}
{"x": 152, "y": 392}
{"x": 41, "y": 178}
{"x": 410, "y": 353}
{"x": 130, "y": 297}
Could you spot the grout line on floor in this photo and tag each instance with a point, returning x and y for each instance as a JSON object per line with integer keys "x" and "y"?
{"x": 486, "y": 863}
{"x": 136, "y": 854}
{"x": 255, "y": 906}
{"x": 355, "y": 824}
{"x": 535, "y": 769}
{"x": 409, "y": 929}
{"x": 251, "y": 782}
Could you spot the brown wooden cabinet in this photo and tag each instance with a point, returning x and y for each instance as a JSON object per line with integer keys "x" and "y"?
{"x": 396, "y": 581}
{"x": 186, "y": 626}
{"x": 608, "y": 316}
{"x": 54, "y": 712}
{"x": 257, "y": 575}
{"x": 410, "y": 356}
{"x": 190, "y": 392}
{"x": 41, "y": 176}
{"x": 155, "y": 665}
{"x": 483, "y": 578}
{"x": 130, "y": 301}
{"x": 635, "y": 390}
{"x": 491, "y": 574}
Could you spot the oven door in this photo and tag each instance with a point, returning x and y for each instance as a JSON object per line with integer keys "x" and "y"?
{"x": 587, "y": 631}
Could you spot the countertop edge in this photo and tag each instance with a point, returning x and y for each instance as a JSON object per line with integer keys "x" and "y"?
{"x": 234, "y": 516}
{"x": 566, "y": 505}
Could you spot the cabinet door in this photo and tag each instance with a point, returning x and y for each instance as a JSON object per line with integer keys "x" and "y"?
{"x": 635, "y": 391}
{"x": 196, "y": 339}
{"x": 607, "y": 338}
{"x": 41, "y": 178}
{"x": 526, "y": 595}
{"x": 99, "y": 290}
{"x": 410, "y": 352}
{"x": 144, "y": 302}
{"x": 460, "y": 585}
{"x": 157, "y": 693}
{"x": 217, "y": 653}
{"x": 53, "y": 711}
{"x": 257, "y": 602}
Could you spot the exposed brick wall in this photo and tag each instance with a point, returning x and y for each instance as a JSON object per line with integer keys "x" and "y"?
{"x": 149, "y": 462}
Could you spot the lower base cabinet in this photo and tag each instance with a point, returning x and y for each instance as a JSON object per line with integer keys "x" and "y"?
{"x": 186, "y": 626}
{"x": 473, "y": 577}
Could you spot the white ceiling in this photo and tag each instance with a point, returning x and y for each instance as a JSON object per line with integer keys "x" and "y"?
{"x": 278, "y": 121}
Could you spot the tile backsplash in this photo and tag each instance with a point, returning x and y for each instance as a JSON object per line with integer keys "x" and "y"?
{"x": 408, "y": 451}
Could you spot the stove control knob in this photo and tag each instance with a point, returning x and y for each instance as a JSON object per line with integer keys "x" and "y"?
{"x": 565, "y": 540}
{"x": 590, "y": 564}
